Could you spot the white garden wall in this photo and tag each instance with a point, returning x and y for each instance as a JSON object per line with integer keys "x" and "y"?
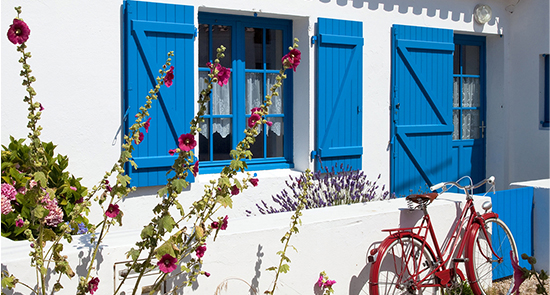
{"x": 334, "y": 239}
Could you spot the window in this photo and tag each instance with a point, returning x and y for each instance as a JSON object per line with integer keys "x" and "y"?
{"x": 255, "y": 47}
{"x": 546, "y": 103}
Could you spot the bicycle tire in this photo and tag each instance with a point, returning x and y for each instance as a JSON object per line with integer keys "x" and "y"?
{"x": 391, "y": 273}
{"x": 479, "y": 268}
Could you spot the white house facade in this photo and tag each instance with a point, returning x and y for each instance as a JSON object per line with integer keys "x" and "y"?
{"x": 417, "y": 92}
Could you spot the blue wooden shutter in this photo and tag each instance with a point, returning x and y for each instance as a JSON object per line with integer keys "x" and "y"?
{"x": 151, "y": 31}
{"x": 339, "y": 93}
{"x": 422, "y": 65}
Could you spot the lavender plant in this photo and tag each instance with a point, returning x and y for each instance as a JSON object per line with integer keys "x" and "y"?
{"x": 328, "y": 188}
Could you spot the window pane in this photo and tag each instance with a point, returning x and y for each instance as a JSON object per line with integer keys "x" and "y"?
{"x": 257, "y": 148}
{"x": 275, "y": 138}
{"x": 456, "y": 124}
{"x": 470, "y": 62}
{"x": 221, "y": 35}
{"x": 221, "y": 99}
{"x": 222, "y": 138}
{"x": 204, "y": 140}
{"x": 202, "y": 85}
{"x": 470, "y": 124}
{"x": 254, "y": 91}
{"x": 253, "y": 44}
{"x": 456, "y": 92}
{"x": 277, "y": 101}
{"x": 456, "y": 60}
{"x": 204, "y": 49}
{"x": 274, "y": 48}
{"x": 470, "y": 92}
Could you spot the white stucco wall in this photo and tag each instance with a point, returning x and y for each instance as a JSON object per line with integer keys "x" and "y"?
{"x": 76, "y": 49}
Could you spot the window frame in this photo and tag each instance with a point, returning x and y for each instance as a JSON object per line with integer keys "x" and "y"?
{"x": 546, "y": 91}
{"x": 238, "y": 89}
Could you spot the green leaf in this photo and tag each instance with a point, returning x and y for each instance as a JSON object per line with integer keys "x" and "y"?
{"x": 8, "y": 282}
{"x": 166, "y": 248}
{"x": 41, "y": 178}
{"x": 163, "y": 191}
{"x": 124, "y": 180}
{"x": 40, "y": 212}
{"x": 147, "y": 232}
{"x": 167, "y": 222}
{"x": 273, "y": 268}
{"x": 284, "y": 268}
{"x": 226, "y": 201}
{"x": 133, "y": 253}
{"x": 180, "y": 184}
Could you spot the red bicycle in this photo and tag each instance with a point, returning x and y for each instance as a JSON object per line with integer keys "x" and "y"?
{"x": 408, "y": 262}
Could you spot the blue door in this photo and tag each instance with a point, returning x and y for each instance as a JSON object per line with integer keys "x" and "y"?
{"x": 422, "y": 126}
{"x": 339, "y": 94}
{"x": 469, "y": 107}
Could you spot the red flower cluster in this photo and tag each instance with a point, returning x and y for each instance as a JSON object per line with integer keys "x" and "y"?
{"x": 112, "y": 211}
{"x": 167, "y": 263}
{"x": 19, "y": 32}
{"x": 221, "y": 73}
{"x": 93, "y": 284}
{"x": 169, "y": 77}
{"x": 187, "y": 142}
{"x": 292, "y": 59}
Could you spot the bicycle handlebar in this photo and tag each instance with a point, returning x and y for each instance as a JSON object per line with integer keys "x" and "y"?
{"x": 490, "y": 180}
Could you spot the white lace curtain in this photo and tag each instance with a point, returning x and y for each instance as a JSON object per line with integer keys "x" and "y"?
{"x": 221, "y": 103}
{"x": 470, "y": 98}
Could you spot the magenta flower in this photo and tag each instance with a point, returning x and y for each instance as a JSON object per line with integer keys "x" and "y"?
{"x": 253, "y": 119}
{"x": 93, "y": 284}
{"x": 224, "y": 223}
{"x": 55, "y": 215}
{"x": 200, "y": 250}
{"x": 19, "y": 222}
{"x": 215, "y": 225}
{"x": 41, "y": 108}
{"x": 72, "y": 188}
{"x": 235, "y": 190}
{"x": 172, "y": 152}
{"x": 141, "y": 136}
{"x": 255, "y": 110}
{"x": 147, "y": 125}
{"x": 223, "y": 75}
{"x": 169, "y": 77}
{"x": 320, "y": 281}
{"x": 167, "y": 263}
{"x": 196, "y": 169}
{"x": 292, "y": 59}
{"x": 207, "y": 274}
{"x": 19, "y": 32}
{"x": 254, "y": 181}
{"x": 269, "y": 123}
{"x": 112, "y": 211}
{"x": 329, "y": 283}
{"x": 187, "y": 142}
{"x": 518, "y": 273}
{"x": 8, "y": 191}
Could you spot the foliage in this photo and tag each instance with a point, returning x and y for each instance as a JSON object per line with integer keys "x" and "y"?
{"x": 17, "y": 170}
{"x": 541, "y": 278}
{"x": 328, "y": 188}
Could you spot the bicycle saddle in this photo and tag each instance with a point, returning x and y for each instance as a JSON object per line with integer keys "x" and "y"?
{"x": 422, "y": 198}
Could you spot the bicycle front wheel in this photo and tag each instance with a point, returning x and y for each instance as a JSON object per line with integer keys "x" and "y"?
{"x": 483, "y": 265}
{"x": 404, "y": 267}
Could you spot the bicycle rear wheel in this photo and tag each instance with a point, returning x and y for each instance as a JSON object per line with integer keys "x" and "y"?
{"x": 402, "y": 267}
{"x": 483, "y": 266}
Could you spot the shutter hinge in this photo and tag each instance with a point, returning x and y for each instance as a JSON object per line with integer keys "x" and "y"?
{"x": 313, "y": 39}
{"x": 196, "y": 32}
{"x": 313, "y": 154}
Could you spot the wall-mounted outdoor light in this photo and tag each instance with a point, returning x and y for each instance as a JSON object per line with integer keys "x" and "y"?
{"x": 482, "y": 13}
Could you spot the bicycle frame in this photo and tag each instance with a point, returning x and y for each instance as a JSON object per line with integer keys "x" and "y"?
{"x": 446, "y": 267}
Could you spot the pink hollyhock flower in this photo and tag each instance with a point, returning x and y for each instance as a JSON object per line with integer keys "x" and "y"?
{"x": 269, "y": 123}
{"x": 167, "y": 263}
{"x": 518, "y": 273}
{"x": 8, "y": 191}
{"x": 196, "y": 169}
{"x": 187, "y": 142}
{"x": 320, "y": 281}
{"x": 6, "y": 205}
{"x": 172, "y": 152}
{"x": 112, "y": 211}
{"x": 292, "y": 59}
{"x": 32, "y": 183}
{"x": 147, "y": 125}
{"x": 19, "y": 222}
{"x": 215, "y": 225}
{"x": 253, "y": 119}
{"x": 207, "y": 274}
{"x": 255, "y": 110}
{"x": 224, "y": 223}
{"x": 93, "y": 284}
{"x": 235, "y": 190}
{"x": 19, "y": 32}
{"x": 141, "y": 136}
{"x": 329, "y": 283}
{"x": 169, "y": 77}
{"x": 200, "y": 250}
{"x": 223, "y": 75}
{"x": 41, "y": 107}
{"x": 254, "y": 181}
